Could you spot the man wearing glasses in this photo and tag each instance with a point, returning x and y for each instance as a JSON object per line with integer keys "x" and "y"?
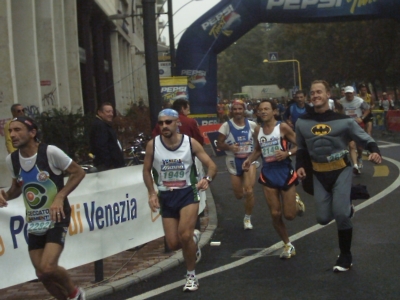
{"x": 169, "y": 161}
{"x": 17, "y": 110}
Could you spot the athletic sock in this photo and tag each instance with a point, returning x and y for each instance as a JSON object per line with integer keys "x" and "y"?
{"x": 345, "y": 237}
{"x": 191, "y": 273}
{"x": 247, "y": 217}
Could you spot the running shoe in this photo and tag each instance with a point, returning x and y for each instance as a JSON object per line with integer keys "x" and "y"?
{"x": 247, "y": 224}
{"x": 288, "y": 252}
{"x": 196, "y": 238}
{"x": 192, "y": 284}
{"x": 300, "y": 206}
{"x": 360, "y": 162}
{"x": 80, "y": 296}
{"x": 356, "y": 170}
{"x": 343, "y": 263}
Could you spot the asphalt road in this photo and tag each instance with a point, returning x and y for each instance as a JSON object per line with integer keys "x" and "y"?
{"x": 246, "y": 264}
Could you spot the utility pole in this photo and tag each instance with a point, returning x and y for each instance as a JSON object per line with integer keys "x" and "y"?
{"x": 171, "y": 37}
{"x": 151, "y": 58}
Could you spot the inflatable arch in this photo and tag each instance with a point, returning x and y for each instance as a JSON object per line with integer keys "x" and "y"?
{"x": 226, "y": 22}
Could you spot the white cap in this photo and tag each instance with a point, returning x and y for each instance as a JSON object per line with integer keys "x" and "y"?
{"x": 348, "y": 89}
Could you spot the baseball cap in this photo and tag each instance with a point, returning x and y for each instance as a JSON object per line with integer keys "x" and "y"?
{"x": 349, "y": 89}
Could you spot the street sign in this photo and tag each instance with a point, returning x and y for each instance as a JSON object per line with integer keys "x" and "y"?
{"x": 272, "y": 56}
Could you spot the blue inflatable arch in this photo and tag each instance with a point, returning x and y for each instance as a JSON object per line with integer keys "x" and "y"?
{"x": 196, "y": 56}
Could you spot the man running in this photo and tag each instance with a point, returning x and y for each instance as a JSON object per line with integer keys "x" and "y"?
{"x": 295, "y": 110}
{"x": 38, "y": 167}
{"x": 169, "y": 161}
{"x": 236, "y": 139}
{"x": 323, "y": 136}
{"x": 355, "y": 108}
{"x": 277, "y": 174}
{"x": 368, "y": 98}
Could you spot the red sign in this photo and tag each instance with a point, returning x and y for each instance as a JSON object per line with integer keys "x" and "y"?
{"x": 45, "y": 82}
{"x": 393, "y": 120}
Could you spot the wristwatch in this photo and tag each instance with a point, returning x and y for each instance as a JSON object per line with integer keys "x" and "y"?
{"x": 208, "y": 178}
{"x": 290, "y": 153}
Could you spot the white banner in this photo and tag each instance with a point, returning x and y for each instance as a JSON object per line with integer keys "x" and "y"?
{"x": 110, "y": 214}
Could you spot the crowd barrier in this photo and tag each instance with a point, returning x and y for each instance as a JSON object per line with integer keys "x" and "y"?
{"x": 110, "y": 214}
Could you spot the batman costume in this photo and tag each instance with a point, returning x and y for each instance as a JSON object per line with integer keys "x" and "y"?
{"x": 322, "y": 150}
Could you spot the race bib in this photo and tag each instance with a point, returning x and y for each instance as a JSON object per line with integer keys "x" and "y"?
{"x": 268, "y": 152}
{"x": 174, "y": 178}
{"x": 39, "y": 227}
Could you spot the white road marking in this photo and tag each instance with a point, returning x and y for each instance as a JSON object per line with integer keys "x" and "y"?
{"x": 274, "y": 247}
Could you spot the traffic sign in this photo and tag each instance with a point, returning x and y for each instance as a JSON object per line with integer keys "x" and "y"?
{"x": 273, "y": 56}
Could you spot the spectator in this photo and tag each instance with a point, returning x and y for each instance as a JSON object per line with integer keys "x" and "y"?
{"x": 103, "y": 140}
{"x": 17, "y": 110}
{"x": 186, "y": 125}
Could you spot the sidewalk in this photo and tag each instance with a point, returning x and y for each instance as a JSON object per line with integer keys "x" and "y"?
{"x": 122, "y": 269}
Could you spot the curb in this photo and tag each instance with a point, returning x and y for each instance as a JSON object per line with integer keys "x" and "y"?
{"x": 162, "y": 266}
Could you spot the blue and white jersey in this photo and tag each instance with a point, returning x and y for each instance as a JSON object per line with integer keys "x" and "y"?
{"x": 241, "y": 135}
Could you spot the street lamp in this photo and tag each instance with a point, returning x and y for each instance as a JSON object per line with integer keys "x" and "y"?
{"x": 287, "y": 60}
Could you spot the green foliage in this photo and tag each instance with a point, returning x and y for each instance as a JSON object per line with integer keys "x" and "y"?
{"x": 66, "y": 130}
{"x": 340, "y": 52}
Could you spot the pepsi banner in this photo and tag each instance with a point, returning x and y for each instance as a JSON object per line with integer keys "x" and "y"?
{"x": 226, "y": 22}
{"x": 173, "y": 88}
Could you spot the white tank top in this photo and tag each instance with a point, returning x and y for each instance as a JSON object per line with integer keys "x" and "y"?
{"x": 270, "y": 143}
{"x": 173, "y": 169}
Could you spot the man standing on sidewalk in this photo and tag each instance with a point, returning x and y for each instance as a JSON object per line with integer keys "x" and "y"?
{"x": 104, "y": 144}
{"x": 236, "y": 139}
{"x": 169, "y": 161}
{"x": 323, "y": 137}
{"x": 37, "y": 171}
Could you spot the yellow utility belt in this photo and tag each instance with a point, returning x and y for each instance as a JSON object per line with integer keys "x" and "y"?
{"x": 329, "y": 166}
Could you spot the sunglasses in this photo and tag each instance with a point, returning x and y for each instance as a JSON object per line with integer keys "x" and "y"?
{"x": 167, "y": 122}
{"x": 20, "y": 110}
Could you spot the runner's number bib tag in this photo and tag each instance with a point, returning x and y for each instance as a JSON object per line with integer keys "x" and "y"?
{"x": 269, "y": 152}
{"x": 39, "y": 227}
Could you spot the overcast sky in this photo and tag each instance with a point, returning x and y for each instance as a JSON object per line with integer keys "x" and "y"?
{"x": 185, "y": 13}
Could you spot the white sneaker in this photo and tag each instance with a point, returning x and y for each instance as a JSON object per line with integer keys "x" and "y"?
{"x": 192, "y": 284}
{"x": 196, "y": 238}
{"x": 356, "y": 170}
{"x": 247, "y": 224}
{"x": 80, "y": 296}
{"x": 301, "y": 208}
{"x": 288, "y": 252}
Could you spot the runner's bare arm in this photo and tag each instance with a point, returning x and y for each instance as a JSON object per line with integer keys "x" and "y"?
{"x": 198, "y": 150}
{"x": 76, "y": 174}
{"x": 256, "y": 151}
{"x": 148, "y": 179}
{"x": 13, "y": 192}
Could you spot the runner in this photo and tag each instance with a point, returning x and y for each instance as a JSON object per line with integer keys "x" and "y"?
{"x": 368, "y": 98}
{"x": 323, "y": 136}
{"x": 170, "y": 161}
{"x": 38, "y": 167}
{"x": 277, "y": 174}
{"x": 235, "y": 138}
{"x": 355, "y": 108}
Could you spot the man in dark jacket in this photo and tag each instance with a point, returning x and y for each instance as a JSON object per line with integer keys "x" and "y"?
{"x": 103, "y": 140}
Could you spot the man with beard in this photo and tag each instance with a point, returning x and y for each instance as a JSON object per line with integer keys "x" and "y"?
{"x": 277, "y": 176}
{"x": 323, "y": 136}
{"x": 38, "y": 164}
{"x": 104, "y": 144}
{"x": 169, "y": 161}
{"x": 236, "y": 139}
